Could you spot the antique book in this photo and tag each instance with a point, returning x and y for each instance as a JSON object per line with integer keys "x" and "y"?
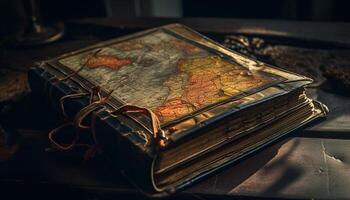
{"x": 168, "y": 106}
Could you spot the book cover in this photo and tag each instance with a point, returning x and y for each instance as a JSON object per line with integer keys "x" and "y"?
{"x": 153, "y": 98}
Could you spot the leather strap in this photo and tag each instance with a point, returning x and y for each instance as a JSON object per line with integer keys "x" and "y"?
{"x": 158, "y": 134}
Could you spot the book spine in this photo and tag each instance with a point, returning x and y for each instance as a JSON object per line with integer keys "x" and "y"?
{"x": 116, "y": 139}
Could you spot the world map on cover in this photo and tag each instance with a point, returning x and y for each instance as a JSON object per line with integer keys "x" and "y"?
{"x": 168, "y": 75}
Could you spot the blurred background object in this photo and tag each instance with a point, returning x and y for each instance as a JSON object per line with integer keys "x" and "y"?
{"x": 36, "y": 33}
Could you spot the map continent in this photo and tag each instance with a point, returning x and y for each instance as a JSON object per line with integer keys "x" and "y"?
{"x": 164, "y": 73}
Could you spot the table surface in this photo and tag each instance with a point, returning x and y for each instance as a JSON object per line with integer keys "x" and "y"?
{"x": 313, "y": 163}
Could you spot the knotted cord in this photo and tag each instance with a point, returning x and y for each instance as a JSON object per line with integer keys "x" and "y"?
{"x": 80, "y": 116}
{"x": 93, "y": 107}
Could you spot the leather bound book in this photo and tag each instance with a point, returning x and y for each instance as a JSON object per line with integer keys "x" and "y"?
{"x": 168, "y": 106}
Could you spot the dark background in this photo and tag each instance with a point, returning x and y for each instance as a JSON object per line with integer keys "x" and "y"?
{"x": 13, "y": 14}
{"x": 313, "y": 49}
